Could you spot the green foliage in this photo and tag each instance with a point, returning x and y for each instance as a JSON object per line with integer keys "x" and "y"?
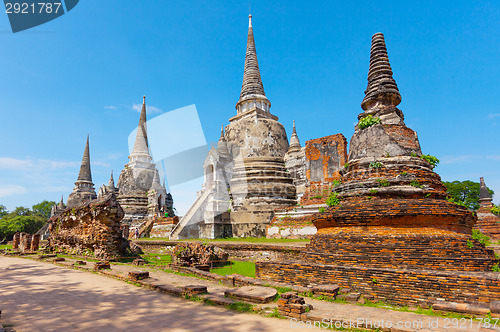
{"x": 43, "y": 208}
{"x": 368, "y": 121}
{"x": 3, "y": 211}
{"x": 495, "y": 209}
{"x": 415, "y": 184}
{"x": 465, "y": 192}
{"x": 480, "y": 237}
{"x": 333, "y": 199}
{"x": 317, "y": 197}
{"x": 430, "y": 159}
{"x": 321, "y": 209}
{"x": 404, "y": 173}
{"x": 27, "y": 224}
{"x": 244, "y": 268}
{"x": 495, "y": 268}
{"x": 383, "y": 183}
{"x": 346, "y": 165}
{"x": 275, "y": 313}
{"x": 470, "y": 244}
{"x": 375, "y": 165}
{"x": 336, "y": 183}
{"x": 373, "y": 191}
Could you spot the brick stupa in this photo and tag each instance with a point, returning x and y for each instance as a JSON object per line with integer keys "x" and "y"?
{"x": 487, "y": 222}
{"x": 392, "y": 205}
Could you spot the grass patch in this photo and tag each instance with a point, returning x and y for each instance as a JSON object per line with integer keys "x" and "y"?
{"x": 417, "y": 310}
{"x": 231, "y": 239}
{"x": 240, "y": 307}
{"x": 157, "y": 259}
{"x": 246, "y": 269}
{"x": 5, "y": 246}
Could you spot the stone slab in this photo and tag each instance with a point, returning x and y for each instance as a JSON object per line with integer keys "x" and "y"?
{"x": 255, "y": 294}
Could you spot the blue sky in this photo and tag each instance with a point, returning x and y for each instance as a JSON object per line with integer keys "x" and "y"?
{"x": 84, "y": 72}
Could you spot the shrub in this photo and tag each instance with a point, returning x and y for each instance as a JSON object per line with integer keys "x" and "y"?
{"x": 470, "y": 244}
{"x": 321, "y": 209}
{"x": 375, "y": 165}
{"x": 333, "y": 199}
{"x": 495, "y": 209}
{"x": 480, "y": 237}
{"x": 373, "y": 191}
{"x": 336, "y": 183}
{"x": 404, "y": 173}
{"x": 495, "y": 268}
{"x": 368, "y": 121}
{"x": 430, "y": 159}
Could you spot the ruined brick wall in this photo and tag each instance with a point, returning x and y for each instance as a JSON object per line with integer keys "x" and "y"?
{"x": 400, "y": 287}
{"x": 91, "y": 228}
{"x": 325, "y": 158}
{"x": 403, "y": 251}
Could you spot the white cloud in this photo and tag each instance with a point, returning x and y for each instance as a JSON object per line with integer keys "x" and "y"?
{"x": 15, "y": 164}
{"x": 149, "y": 109}
{"x": 55, "y": 164}
{"x": 493, "y": 115}
{"x": 457, "y": 159}
{"x": 497, "y": 157}
{"x": 110, "y": 107}
{"x": 99, "y": 163}
{"x": 11, "y": 190}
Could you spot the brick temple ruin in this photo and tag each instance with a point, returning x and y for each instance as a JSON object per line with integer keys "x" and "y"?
{"x": 254, "y": 170}
{"x": 139, "y": 191}
{"x": 392, "y": 234}
{"x": 487, "y": 222}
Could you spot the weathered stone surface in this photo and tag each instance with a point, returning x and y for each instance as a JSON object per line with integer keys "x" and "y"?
{"x": 35, "y": 242}
{"x": 16, "y": 240}
{"x": 195, "y": 289}
{"x": 255, "y": 294}
{"x": 93, "y": 227}
{"x": 139, "y": 261}
{"x": 84, "y": 188}
{"x": 138, "y": 275}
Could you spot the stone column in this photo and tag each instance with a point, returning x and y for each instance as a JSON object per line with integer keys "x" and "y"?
{"x": 16, "y": 240}
{"x": 35, "y": 242}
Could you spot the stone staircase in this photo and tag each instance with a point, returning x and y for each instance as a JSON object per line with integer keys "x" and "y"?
{"x": 188, "y": 218}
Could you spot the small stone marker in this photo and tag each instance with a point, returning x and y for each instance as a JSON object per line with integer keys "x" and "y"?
{"x": 327, "y": 290}
{"x": 59, "y": 259}
{"x": 138, "y": 275}
{"x": 80, "y": 263}
{"x": 103, "y": 265}
{"x": 255, "y": 294}
{"x": 292, "y": 305}
{"x": 139, "y": 261}
{"x": 195, "y": 289}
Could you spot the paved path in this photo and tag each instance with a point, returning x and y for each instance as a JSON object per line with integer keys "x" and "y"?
{"x": 36, "y": 296}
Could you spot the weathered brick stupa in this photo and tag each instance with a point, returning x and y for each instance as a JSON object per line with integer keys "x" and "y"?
{"x": 487, "y": 222}
{"x": 138, "y": 184}
{"x": 390, "y": 231}
{"x": 84, "y": 188}
{"x": 245, "y": 177}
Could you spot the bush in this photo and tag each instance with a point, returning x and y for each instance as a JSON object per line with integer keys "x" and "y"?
{"x": 27, "y": 224}
{"x": 383, "y": 183}
{"x": 495, "y": 210}
{"x": 368, "y": 121}
{"x": 375, "y": 165}
{"x": 321, "y": 209}
{"x": 480, "y": 237}
{"x": 332, "y": 200}
{"x": 415, "y": 184}
{"x": 430, "y": 159}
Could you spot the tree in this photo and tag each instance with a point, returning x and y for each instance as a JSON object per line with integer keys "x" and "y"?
{"x": 27, "y": 224}
{"x": 43, "y": 209}
{"x": 3, "y": 211}
{"x": 465, "y": 192}
{"x": 19, "y": 211}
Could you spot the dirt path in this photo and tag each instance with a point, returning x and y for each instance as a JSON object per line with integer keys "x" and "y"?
{"x": 37, "y": 296}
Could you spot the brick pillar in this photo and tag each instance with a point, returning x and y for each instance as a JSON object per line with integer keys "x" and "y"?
{"x": 17, "y": 238}
{"x": 125, "y": 231}
{"x": 23, "y": 242}
{"x": 35, "y": 242}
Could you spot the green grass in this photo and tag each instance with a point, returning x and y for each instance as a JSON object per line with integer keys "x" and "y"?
{"x": 240, "y": 307}
{"x": 5, "y": 246}
{"x": 157, "y": 259}
{"x": 244, "y": 268}
{"x": 232, "y": 239}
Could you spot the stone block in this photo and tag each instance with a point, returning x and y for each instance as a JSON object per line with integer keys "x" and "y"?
{"x": 195, "y": 289}
{"x": 288, "y": 295}
{"x": 103, "y": 265}
{"x": 138, "y": 275}
{"x": 255, "y": 294}
{"x": 139, "y": 261}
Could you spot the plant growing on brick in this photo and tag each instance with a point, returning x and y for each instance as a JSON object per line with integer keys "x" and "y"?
{"x": 470, "y": 244}
{"x": 480, "y": 237}
{"x": 375, "y": 165}
{"x": 373, "y": 191}
{"x": 368, "y": 121}
{"x": 333, "y": 200}
{"x": 383, "y": 183}
{"x": 404, "y": 173}
{"x": 321, "y": 209}
{"x": 346, "y": 165}
{"x": 495, "y": 209}
{"x": 495, "y": 268}
{"x": 317, "y": 197}
{"x": 415, "y": 184}
{"x": 430, "y": 159}
{"x": 336, "y": 183}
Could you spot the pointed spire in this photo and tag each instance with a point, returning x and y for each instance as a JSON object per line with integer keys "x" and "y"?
{"x": 222, "y": 131}
{"x": 484, "y": 193}
{"x": 62, "y": 199}
{"x": 141, "y": 145}
{"x": 60, "y": 206}
{"x": 222, "y": 145}
{"x": 252, "y": 83}
{"x": 381, "y": 85}
{"x": 111, "y": 183}
{"x": 156, "y": 181}
{"x": 85, "y": 175}
{"x": 294, "y": 141}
